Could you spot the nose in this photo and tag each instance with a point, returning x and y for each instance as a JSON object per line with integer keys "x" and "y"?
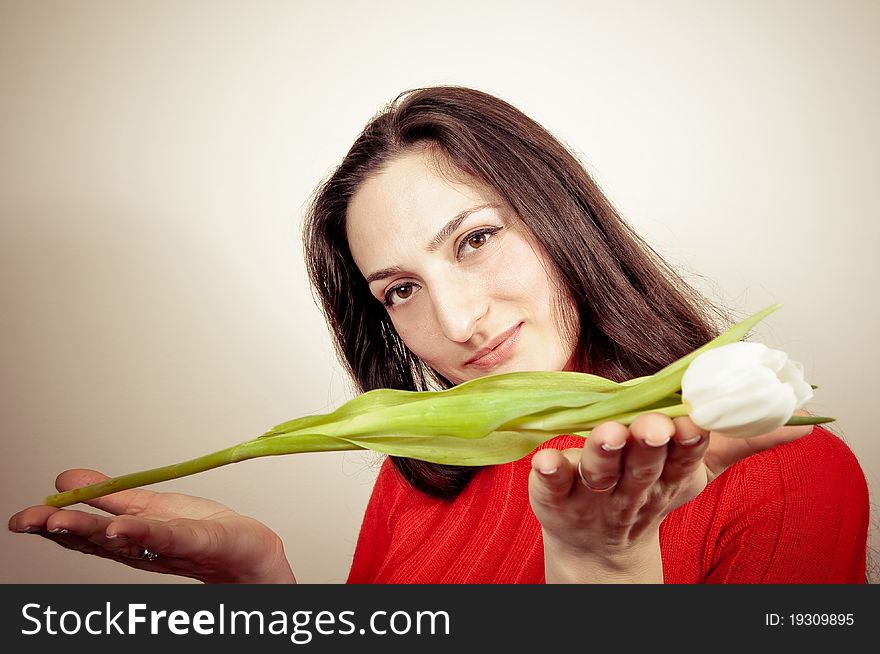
{"x": 459, "y": 304}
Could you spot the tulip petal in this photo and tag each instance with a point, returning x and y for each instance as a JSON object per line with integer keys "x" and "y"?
{"x": 744, "y": 389}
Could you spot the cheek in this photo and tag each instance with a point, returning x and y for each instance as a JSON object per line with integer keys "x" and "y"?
{"x": 526, "y": 278}
{"x": 521, "y": 275}
{"x": 419, "y": 338}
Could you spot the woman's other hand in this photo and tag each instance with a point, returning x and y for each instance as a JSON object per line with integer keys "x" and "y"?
{"x": 191, "y": 536}
{"x": 602, "y": 523}
{"x": 609, "y": 531}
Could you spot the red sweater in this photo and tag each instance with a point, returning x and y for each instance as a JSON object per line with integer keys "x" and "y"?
{"x": 797, "y": 513}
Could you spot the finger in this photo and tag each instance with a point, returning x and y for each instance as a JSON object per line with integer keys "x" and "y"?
{"x": 93, "y": 528}
{"x": 78, "y": 544}
{"x": 129, "y": 554}
{"x": 725, "y": 451}
{"x": 646, "y": 455}
{"x": 779, "y": 436}
{"x": 86, "y": 532}
{"x": 550, "y": 480}
{"x": 686, "y": 451}
{"x": 31, "y": 519}
{"x": 127, "y": 501}
{"x": 76, "y": 530}
{"x": 77, "y": 478}
{"x": 79, "y": 523}
{"x": 181, "y": 538}
{"x": 600, "y": 457}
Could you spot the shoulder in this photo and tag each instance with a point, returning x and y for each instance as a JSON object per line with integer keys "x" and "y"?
{"x": 390, "y": 484}
{"x": 795, "y": 513}
{"x": 816, "y": 475}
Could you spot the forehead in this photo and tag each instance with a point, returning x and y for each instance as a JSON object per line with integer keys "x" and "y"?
{"x": 410, "y": 198}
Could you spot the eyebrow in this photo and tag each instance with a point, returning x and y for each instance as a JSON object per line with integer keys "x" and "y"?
{"x": 435, "y": 243}
{"x": 382, "y": 274}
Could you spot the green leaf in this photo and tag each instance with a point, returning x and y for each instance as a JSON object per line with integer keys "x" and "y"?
{"x": 469, "y": 410}
{"x": 488, "y": 420}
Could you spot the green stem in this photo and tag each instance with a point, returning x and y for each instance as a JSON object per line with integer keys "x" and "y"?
{"x": 242, "y": 452}
{"x": 305, "y": 442}
{"x": 674, "y": 411}
{"x": 809, "y": 420}
{"x": 684, "y": 410}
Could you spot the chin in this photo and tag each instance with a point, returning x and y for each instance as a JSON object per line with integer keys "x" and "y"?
{"x": 536, "y": 365}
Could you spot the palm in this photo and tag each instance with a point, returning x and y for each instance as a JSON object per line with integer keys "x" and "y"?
{"x": 171, "y": 506}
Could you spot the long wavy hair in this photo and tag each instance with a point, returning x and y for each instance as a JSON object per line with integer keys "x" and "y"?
{"x": 634, "y": 312}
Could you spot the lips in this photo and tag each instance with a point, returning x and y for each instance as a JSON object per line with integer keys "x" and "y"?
{"x": 497, "y": 350}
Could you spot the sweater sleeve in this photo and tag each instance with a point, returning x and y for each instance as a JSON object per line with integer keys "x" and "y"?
{"x": 797, "y": 513}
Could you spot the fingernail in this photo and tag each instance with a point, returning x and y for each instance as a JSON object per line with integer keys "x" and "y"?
{"x": 547, "y": 470}
{"x": 612, "y": 447}
{"x": 691, "y": 441}
{"x": 656, "y": 441}
{"x": 58, "y": 530}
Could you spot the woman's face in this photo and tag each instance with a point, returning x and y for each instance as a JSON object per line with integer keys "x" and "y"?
{"x": 467, "y": 287}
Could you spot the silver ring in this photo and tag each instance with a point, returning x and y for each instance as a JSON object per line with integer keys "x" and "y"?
{"x": 147, "y": 555}
{"x": 590, "y": 486}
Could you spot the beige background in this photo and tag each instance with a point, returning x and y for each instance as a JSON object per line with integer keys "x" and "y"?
{"x": 157, "y": 157}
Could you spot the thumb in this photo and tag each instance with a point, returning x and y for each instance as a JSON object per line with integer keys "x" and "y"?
{"x": 723, "y": 451}
{"x": 780, "y": 436}
{"x": 550, "y": 479}
{"x": 116, "y": 503}
{"x": 77, "y": 478}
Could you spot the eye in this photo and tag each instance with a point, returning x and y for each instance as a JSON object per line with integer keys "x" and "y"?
{"x": 400, "y": 292}
{"x": 477, "y": 239}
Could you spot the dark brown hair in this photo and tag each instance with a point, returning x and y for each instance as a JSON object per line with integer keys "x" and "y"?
{"x": 635, "y": 314}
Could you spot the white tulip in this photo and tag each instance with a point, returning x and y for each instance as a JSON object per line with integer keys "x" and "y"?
{"x": 744, "y": 389}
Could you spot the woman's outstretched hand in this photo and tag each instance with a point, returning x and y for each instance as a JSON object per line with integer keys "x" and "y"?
{"x": 601, "y": 506}
{"x": 190, "y": 536}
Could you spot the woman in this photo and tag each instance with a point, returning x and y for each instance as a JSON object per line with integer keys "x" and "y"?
{"x": 458, "y": 238}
